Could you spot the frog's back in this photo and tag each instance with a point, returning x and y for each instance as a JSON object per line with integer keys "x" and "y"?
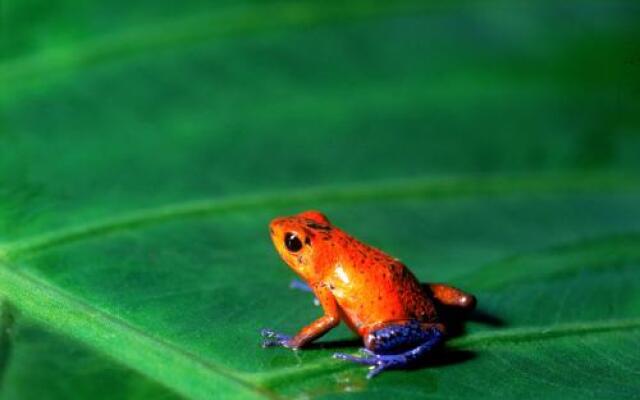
{"x": 374, "y": 289}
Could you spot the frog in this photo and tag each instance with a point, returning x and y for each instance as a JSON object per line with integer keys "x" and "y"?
{"x": 373, "y": 293}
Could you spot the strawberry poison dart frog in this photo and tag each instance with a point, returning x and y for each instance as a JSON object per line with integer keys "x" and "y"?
{"x": 373, "y": 293}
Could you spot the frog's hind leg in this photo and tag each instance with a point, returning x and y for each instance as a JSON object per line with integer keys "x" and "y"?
{"x": 396, "y": 346}
{"x": 450, "y": 296}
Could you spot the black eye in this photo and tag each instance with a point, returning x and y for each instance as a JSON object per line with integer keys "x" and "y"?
{"x": 292, "y": 242}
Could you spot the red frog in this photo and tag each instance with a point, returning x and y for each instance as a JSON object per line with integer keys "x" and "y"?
{"x": 373, "y": 293}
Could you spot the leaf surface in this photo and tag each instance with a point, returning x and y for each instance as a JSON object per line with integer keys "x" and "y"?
{"x": 142, "y": 157}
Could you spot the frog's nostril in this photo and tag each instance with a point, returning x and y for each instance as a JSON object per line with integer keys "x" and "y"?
{"x": 271, "y": 230}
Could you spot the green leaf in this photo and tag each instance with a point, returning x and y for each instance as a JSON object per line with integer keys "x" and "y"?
{"x": 142, "y": 156}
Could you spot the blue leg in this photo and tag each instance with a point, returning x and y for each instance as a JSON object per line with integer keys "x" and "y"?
{"x": 299, "y": 285}
{"x": 396, "y": 346}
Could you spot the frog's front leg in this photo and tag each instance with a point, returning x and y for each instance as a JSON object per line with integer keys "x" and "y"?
{"x": 309, "y": 333}
{"x": 397, "y": 346}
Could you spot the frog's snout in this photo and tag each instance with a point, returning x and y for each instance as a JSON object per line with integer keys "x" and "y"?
{"x": 275, "y": 227}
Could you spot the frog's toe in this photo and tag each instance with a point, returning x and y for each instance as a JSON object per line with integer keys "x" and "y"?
{"x": 384, "y": 362}
{"x": 275, "y": 342}
{"x": 368, "y": 352}
{"x": 374, "y": 370}
{"x": 267, "y": 333}
{"x": 273, "y": 338}
{"x": 376, "y": 362}
{"x": 366, "y": 360}
{"x": 272, "y": 343}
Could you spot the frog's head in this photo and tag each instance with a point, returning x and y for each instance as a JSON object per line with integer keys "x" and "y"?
{"x": 299, "y": 239}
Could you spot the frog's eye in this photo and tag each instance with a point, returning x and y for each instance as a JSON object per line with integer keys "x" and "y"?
{"x": 292, "y": 242}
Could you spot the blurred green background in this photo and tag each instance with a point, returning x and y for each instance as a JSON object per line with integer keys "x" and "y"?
{"x": 482, "y": 142}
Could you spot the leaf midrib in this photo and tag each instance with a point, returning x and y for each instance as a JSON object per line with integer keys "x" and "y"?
{"x": 427, "y": 188}
{"x": 113, "y": 336}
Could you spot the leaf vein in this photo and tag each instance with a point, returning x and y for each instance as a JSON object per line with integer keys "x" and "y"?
{"x": 169, "y": 364}
{"x": 428, "y": 188}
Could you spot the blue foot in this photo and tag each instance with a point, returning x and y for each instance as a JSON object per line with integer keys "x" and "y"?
{"x": 376, "y": 362}
{"x": 273, "y": 338}
{"x": 395, "y": 337}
